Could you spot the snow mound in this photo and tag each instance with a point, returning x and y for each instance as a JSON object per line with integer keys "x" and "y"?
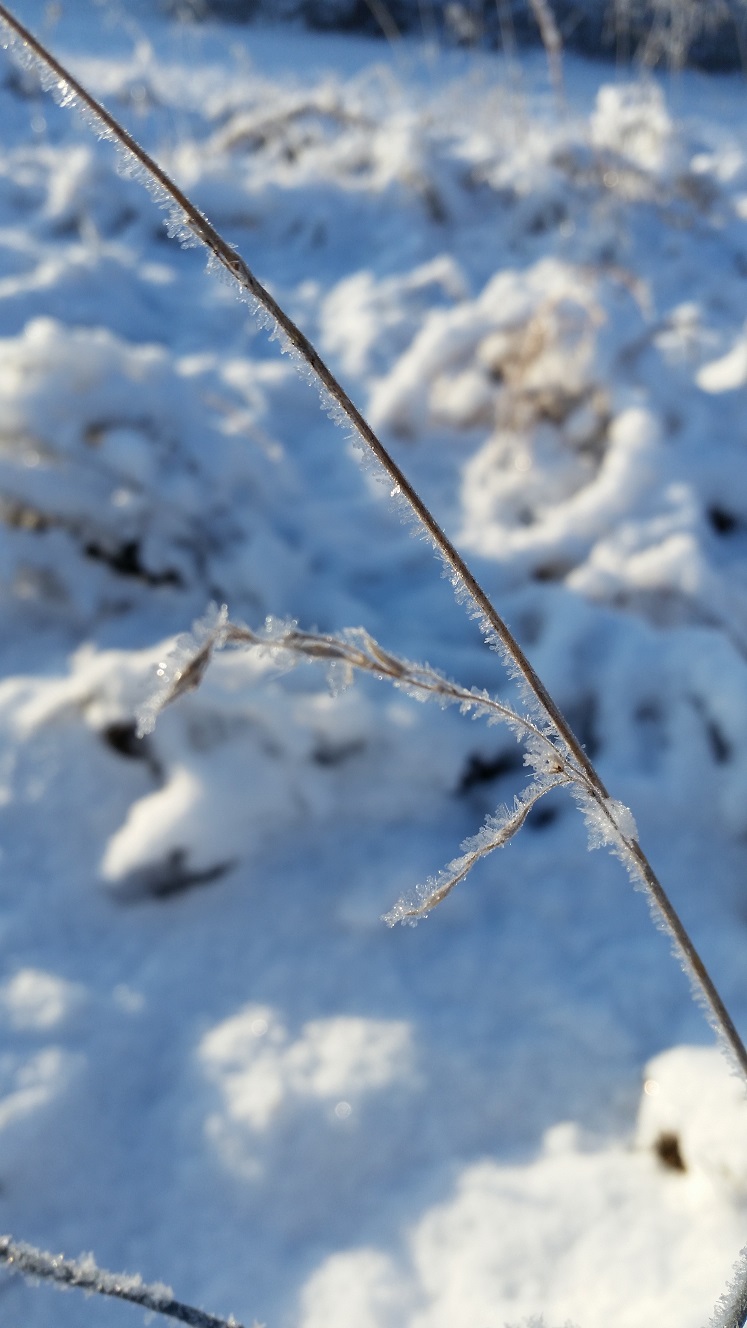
{"x": 554, "y": 1239}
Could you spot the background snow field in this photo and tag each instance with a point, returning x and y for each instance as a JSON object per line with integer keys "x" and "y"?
{"x": 218, "y": 1068}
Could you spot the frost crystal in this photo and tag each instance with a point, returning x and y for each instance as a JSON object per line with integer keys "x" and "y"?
{"x": 608, "y": 823}
{"x": 183, "y": 668}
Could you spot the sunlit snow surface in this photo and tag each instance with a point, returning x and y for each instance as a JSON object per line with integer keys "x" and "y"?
{"x": 219, "y": 1069}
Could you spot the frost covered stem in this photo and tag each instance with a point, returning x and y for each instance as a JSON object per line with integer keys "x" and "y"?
{"x": 719, "y": 1015}
{"x": 34, "y": 1263}
{"x": 202, "y": 229}
{"x": 490, "y": 619}
{"x": 360, "y": 651}
{"x": 731, "y": 1310}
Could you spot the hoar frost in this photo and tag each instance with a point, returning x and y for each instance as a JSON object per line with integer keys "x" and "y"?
{"x": 184, "y": 667}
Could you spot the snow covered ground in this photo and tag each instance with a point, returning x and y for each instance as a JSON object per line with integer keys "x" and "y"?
{"x": 219, "y": 1068}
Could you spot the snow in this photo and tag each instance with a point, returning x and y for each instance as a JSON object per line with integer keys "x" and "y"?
{"x": 37, "y": 1000}
{"x": 218, "y": 1069}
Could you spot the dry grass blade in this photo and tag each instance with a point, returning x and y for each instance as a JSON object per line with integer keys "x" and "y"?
{"x": 495, "y": 834}
{"x": 359, "y": 651}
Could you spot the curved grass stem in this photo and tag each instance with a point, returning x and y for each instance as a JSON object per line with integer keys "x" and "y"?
{"x": 69, "y": 88}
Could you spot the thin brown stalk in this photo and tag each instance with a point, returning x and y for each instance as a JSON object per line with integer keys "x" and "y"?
{"x": 494, "y": 626}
